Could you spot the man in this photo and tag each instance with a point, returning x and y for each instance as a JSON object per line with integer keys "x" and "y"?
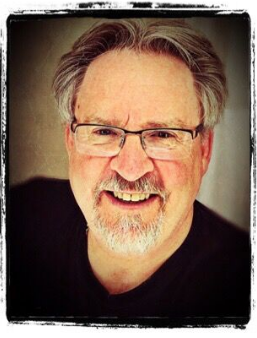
{"x": 125, "y": 238}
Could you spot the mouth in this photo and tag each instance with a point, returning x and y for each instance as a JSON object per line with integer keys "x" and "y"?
{"x": 130, "y": 199}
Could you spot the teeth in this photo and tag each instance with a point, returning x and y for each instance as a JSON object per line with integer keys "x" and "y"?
{"x": 135, "y": 197}
{"x": 126, "y": 197}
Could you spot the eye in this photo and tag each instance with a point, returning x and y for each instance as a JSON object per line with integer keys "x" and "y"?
{"x": 163, "y": 134}
{"x": 105, "y": 132}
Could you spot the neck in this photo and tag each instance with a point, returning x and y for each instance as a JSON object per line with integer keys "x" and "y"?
{"x": 119, "y": 273}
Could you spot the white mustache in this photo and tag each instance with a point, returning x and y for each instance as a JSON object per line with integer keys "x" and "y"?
{"x": 142, "y": 185}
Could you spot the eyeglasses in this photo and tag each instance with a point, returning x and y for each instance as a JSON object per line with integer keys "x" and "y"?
{"x": 158, "y": 143}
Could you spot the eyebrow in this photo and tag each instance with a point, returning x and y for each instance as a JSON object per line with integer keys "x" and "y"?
{"x": 164, "y": 124}
{"x": 148, "y": 125}
{"x": 100, "y": 120}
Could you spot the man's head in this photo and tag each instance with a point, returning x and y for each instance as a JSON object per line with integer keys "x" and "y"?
{"x": 136, "y": 189}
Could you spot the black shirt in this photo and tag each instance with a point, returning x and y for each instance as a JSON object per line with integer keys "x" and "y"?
{"x": 207, "y": 280}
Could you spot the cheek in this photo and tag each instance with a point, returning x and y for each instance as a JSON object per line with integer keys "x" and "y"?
{"x": 180, "y": 174}
{"x": 78, "y": 180}
{"x": 84, "y": 173}
{"x": 175, "y": 174}
{"x": 77, "y": 168}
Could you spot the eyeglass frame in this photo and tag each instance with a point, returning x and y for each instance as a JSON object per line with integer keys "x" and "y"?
{"x": 198, "y": 129}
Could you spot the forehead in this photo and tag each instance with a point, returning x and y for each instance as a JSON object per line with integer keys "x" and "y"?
{"x": 137, "y": 88}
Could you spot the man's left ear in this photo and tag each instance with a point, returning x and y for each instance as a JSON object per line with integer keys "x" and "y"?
{"x": 69, "y": 142}
{"x": 206, "y": 148}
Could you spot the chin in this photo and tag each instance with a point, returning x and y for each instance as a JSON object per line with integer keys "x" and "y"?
{"x": 128, "y": 235}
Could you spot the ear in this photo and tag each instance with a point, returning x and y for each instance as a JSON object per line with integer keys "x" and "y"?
{"x": 206, "y": 148}
{"x": 69, "y": 140}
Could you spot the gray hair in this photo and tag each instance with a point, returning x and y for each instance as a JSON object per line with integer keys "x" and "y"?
{"x": 166, "y": 36}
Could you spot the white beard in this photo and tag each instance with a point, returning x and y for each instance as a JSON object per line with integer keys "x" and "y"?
{"x": 129, "y": 234}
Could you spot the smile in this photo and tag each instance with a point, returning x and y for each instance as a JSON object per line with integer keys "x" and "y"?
{"x": 133, "y": 197}
{"x": 130, "y": 199}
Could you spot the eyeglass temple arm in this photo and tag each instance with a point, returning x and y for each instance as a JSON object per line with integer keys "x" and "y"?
{"x": 197, "y": 130}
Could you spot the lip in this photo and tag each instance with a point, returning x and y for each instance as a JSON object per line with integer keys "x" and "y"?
{"x": 130, "y": 205}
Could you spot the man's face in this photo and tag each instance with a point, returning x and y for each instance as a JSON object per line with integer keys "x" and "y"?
{"x": 137, "y": 91}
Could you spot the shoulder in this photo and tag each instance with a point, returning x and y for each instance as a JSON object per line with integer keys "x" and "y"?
{"x": 221, "y": 243}
{"x": 224, "y": 249}
{"x": 41, "y": 193}
{"x": 221, "y": 263}
{"x": 219, "y": 232}
{"x": 37, "y": 187}
{"x": 45, "y": 228}
{"x": 41, "y": 205}
{"x": 43, "y": 219}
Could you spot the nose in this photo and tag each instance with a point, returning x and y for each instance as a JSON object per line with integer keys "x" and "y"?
{"x": 132, "y": 162}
